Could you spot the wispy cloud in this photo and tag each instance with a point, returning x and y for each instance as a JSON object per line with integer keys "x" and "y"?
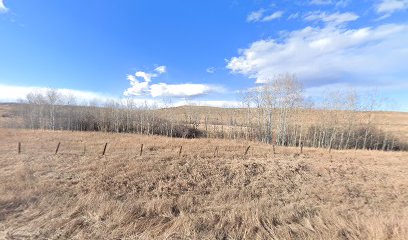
{"x": 3, "y": 8}
{"x": 255, "y": 16}
{"x": 259, "y": 16}
{"x": 321, "y": 56}
{"x": 388, "y": 7}
{"x": 161, "y": 69}
{"x": 272, "y": 16}
{"x": 334, "y": 18}
{"x": 338, "y": 3}
{"x": 293, "y": 16}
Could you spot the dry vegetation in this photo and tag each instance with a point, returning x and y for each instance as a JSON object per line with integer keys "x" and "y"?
{"x": 161, "y": 195}
{"x": 277, "y": 113}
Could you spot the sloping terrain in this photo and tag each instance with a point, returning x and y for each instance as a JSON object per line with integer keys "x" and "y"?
{"x": 395, "y": 123}
{"x": 207, "y": 190}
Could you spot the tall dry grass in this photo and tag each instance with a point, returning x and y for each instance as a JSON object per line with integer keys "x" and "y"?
{"x": 160, "y": 195}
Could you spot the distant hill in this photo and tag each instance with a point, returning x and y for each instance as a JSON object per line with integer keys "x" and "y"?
{"x": 395, "y": 123}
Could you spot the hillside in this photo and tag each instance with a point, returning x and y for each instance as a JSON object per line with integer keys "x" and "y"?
{"x": 395, "y": 123}
{"x": 198, "y": 194}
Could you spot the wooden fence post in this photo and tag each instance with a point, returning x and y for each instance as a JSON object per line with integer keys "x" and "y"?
{"x": 58, "y": 146}
{"x": 19, "y": 147}
{"x": 141, "y": 149}
{"x": 273, "y": 148}
{"x": 246, "y": 151}
{"x": 301, "y": 147}
{"x": 216, "y": 152}
{"x": 181, "y": 149}
{"x": 104, "y": 149}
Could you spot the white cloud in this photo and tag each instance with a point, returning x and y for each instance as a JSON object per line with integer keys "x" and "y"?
{"x": 273, "y": 16}
{"x": 9, "y": 93}
{"x": 137, "y": 87}
{"x": 179, "y": 90}
{"x": 388, "y": 7}
{"x": 131, "y": 78}
{"x": 293, "y": 16}
{"x": 258, "y": 16}
{"x": 3, "y": 8}
{"x": 255, "y": 16}
{"x": 335, "y": 18}
{"x": 161, "y": 69}
{"x": 140, "y": 88}
{"x": 320, "y": 56}
{"x": 146, "y": 76}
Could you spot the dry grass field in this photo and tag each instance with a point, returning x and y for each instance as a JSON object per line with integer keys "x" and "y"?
{"x": 199, "y": 194}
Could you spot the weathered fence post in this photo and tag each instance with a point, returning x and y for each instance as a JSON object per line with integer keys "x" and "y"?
{"x": 246, "y": 151}
{"x": 330, "y": 147}
{"x": 104, "y": 149}
{"x": 216, "y": 152}
{"x": 273, "y": 148}
{"x": 301, "y": 147}
{"x": 19, "y": 147}
{"x": 141, "y": 149}
{"x": 58, "y": 146}
{"x": 181, "y": 149}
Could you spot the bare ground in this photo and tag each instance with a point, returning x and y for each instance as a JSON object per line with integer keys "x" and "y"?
{"x": 79, "y": 194}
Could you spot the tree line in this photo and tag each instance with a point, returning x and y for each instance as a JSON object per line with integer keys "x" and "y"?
{"x": 275, "y": 113}
{"x": 54, "y": 111}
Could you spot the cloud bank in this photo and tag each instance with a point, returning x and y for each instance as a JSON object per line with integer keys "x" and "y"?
{"x": 10, "y": 93}
{"x": 327, "y": 55}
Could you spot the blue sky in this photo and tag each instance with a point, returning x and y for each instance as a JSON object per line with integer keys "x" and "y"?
{"x": 203, "y": 51}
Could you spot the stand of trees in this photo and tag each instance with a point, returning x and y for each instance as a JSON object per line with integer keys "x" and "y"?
{"x": 275, "y": 113}
{"x": 56, "y": 112}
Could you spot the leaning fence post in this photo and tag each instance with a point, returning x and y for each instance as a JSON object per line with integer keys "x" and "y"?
{"x": 141, "y": 149}
{"x": 19, "y": 147}
{"x": 246, "y": 151}
{"x": 181, "y": 149}
{"x": 104, "y": 149}
{"x": 58, "y": 146}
